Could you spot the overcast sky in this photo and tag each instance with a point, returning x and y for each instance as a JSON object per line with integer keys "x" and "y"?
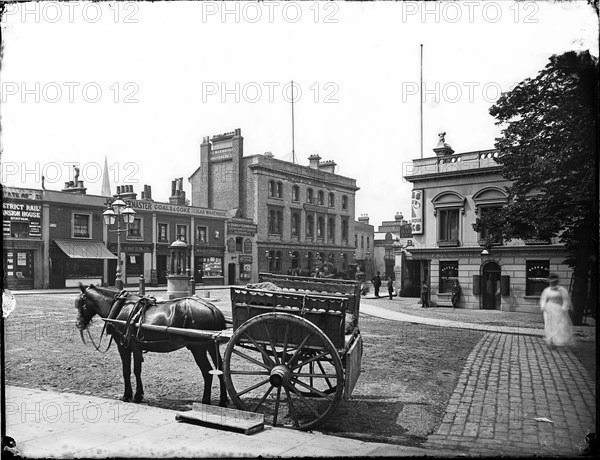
{"x": 143, "y": 83}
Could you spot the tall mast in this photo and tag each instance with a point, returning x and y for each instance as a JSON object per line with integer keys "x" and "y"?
{"x": 293, "y": 151}
{"x": 421, "y": 100}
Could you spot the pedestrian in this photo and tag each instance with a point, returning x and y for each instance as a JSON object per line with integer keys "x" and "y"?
{"x": 390, "y": 286}
{"x": 424, "y": 297}
{"x": 455, "y": 294}
{"x": 376, "y": 280}
{"x": 555, "y": 304}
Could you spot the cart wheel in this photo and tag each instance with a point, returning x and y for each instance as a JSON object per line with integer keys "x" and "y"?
{"x": 285, "y": 367}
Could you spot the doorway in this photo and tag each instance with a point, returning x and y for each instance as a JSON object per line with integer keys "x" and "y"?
{"x": 491, "y": 286}
{"x": 231, "y": 274}
{"x": 161, "y": 269}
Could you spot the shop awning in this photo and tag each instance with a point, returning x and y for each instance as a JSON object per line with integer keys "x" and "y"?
{"x": 84, "y": 249}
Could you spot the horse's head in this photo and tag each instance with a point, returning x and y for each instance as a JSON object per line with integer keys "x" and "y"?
{"x": 93, "y": 301}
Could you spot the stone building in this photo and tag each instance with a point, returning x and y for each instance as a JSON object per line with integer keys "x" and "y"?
{"x": 364, "y": 243}
{"x": 449, "y": 191}
{"x": 304, "y": 215}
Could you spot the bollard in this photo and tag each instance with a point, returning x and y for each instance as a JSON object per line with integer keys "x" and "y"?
{"x": 142, "y": 287}
{"x": 192, "y": 286}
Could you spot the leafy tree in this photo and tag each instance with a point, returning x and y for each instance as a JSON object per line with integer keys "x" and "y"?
{"x": 548, "y": 150}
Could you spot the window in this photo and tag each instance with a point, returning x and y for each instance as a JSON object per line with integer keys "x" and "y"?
{"x": 368, "y": 242}
{"x": 135, "y": 230}
{"x": 295, "y": 193}
{"x": 272, "y": 190}
{"x": 362, "y": 241}
{"x": 448, "y": 225}
{"x": 239, "y": 244}
{"x": 211, "y": 266}
{"x": 448, "y": 274}
{"x": 321, "y": 196}
{"x": 19, "y": 229}
{"x": 345, "y": 231}
{"x": 81, "y": 225}
{"x": 484, "y": 234}
{"x": 320, "y": 227}
{"x": 279, "y": 190}
{"x": 278, "y": 261}
{"x": 275, "y": 221}
{"x": 310, "y": 226}
{"x": 331, "y": 200}
{"x": 295, "y": 224}
{"x": 330, "y": 229}
{"x": 309, "y": 195}
{"x": 163, "y": 233}
{"x": 345, "y": 203}
{"x": 182, "y": 232}
{"x": 537, "y": 272}
{"x": 202, "y": 234}
{"x": 355, "y": 241}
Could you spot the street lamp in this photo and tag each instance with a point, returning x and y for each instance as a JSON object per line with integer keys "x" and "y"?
{"x": 120, "y": 212}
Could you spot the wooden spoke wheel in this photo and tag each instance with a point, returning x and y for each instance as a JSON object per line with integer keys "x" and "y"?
{"x": 284, "y": 367}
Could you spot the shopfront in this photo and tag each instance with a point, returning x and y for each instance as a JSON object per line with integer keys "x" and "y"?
{"x": 22, "y": 238}
{"x": 208, "y": 265}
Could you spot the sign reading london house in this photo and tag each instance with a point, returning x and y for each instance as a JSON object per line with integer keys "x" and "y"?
{"x": 177, "y": 209}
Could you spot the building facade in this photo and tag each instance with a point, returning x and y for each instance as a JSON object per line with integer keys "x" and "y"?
{"x": 57, "y": 239}
{"x": 304, "y": 215}
{"x": 450, "y": 191}
{"x": 364, "y": 246}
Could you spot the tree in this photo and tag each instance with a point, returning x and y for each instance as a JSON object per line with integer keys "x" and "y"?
{"x": 548, "y": 150}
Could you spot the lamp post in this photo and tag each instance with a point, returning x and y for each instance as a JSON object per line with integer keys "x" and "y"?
{"x": 118, "y": 211}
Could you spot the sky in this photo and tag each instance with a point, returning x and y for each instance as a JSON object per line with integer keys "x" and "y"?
{"x": 141, "y": 84}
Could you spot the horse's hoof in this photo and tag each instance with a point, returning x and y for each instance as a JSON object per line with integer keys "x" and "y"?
{"x": 138, "y": 398}
{"x": 223, "y": 404}
{"x": 126, "y": 398}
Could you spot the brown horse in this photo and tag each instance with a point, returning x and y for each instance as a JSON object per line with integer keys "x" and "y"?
{"x": 189, "y": 312}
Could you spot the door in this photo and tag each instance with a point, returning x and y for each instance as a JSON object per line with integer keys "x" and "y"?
{"x": 231, "y": 274}
{"x": 491, "y": 286}
{"x": 161, "y": 269}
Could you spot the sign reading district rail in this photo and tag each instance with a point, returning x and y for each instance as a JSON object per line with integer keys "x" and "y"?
{"x": 164, "y": 207}
{"x": 22, "y": 220}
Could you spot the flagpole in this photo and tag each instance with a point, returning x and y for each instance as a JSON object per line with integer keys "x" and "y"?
{"x": 421, "y": 100}
{"x": 293, "y": 151}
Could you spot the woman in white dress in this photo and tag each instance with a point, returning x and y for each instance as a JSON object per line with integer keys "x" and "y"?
{"x": 555, "y": 303}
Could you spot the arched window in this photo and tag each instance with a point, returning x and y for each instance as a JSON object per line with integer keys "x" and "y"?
{"x": 279, "y": 190}
{"x": 331, "y": 201}
{"x": 310, "y": 226}
{"x": 345, "y": 231}
{"x": 345, "y": 203}
{"x": 295, "y": 193}
{"x": 321, "y": 196}
{"x": 331, "y": 229}
{"x": 295, "y": 224}
{"x": 309, "y": 195}
{"x": 320, "y": 227}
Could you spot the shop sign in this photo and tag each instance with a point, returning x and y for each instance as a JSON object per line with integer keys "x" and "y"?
{"x": 30, "y": 214}
{"x": 248, "y": 246}
{"x": 176, "y": 209}
{"x": 417, "y": 212}
{"x": 241, "y": 228}
{"x": 209, "y": 252}
{"x": 21, "y": 193}
{"x": 230, "y": 245}
{"x": 125, "y": 247}
{"x": 245, "y": 259}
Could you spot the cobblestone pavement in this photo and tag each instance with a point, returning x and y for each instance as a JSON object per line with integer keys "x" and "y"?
{"x": 508, "y": 381}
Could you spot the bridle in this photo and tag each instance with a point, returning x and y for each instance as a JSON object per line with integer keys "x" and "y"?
{"x": 84, "y": 307}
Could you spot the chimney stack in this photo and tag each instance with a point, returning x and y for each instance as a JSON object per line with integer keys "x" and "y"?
{"x": 314, "y": 161}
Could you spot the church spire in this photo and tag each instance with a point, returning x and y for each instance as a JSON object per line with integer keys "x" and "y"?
{"x": 105, "y": 180}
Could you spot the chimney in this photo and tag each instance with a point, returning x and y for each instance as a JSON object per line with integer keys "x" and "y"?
{"x": 177, "y": 194}
{"x": 313, "y": 161}
{"x": 268, "y": 155}
{"x": 127, "y": 192}
{"x": 398, "y": 217}
{"x": 173, "y": 187}
{"x": 149, "y": 194}
{"x": 328, "y": 166}
{"x": 364, "y": 218}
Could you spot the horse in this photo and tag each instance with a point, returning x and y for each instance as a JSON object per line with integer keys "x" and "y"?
{"x": 189, "y": 312}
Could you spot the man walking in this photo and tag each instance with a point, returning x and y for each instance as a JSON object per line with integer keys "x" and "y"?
{"x": 424, "y": 297}
{"x": 376, "y": 284}
{"x": 390, "y": 286}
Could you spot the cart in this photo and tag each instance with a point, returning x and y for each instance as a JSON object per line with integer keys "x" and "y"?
{"x": 294, "y": 351}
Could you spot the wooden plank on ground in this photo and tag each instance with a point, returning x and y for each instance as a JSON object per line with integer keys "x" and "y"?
{"x": 223, "y": 418}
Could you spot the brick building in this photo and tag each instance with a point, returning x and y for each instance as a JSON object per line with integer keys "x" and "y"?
{"x": 303, "y": 214}
{"x": 363, "y": 243}
{"x": 449, "y": 191}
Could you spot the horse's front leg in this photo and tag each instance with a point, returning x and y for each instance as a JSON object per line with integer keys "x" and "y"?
{"x": 137, "y": 371}
{"x": 218, "y": 362}
{"x": 126, "y": 362}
